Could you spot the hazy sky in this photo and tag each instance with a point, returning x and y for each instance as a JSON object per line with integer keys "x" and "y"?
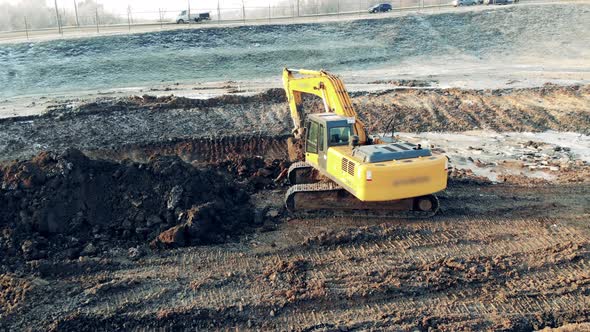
{"x": 121, "y": 5}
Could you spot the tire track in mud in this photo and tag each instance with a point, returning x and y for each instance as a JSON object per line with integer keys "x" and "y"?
{"x": 201, "y": 150}
{"x": 351, "y": 271}
{"x": 447, "y": 274}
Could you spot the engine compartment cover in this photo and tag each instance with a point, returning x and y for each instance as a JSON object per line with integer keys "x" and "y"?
{"x": 390, "y": 151}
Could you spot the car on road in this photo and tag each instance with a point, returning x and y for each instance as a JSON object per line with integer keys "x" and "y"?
{"x": 381, "y": 8}
{"x": 183, "y": 17}
{"x": 457, "y": 3}
{"x": 499, "y": 2}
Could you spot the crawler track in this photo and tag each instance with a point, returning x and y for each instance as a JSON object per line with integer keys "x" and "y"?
{"x": 311, "y": 196}
{"x": 329, "y": 199}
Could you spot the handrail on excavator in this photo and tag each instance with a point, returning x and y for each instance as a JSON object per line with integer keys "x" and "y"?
{"x": 307, "y": 71}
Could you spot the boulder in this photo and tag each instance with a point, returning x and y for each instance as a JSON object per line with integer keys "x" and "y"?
{"x": 174, "y": 197}
{"x": 88, "y": 250}
{"x": 173, "y": 237}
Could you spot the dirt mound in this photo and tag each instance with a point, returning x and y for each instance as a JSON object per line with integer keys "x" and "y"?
{"x": 172, "y": 102}
{"x": 551, "y": 107}
{"x": 466, "y": 176}
{"x": 159, "y": 103}
{"x": 67, "y": 205}
{"x": 406, "y": 83}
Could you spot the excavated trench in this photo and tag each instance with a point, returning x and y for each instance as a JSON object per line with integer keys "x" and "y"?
{"x": 122, "y": 123}
{"x": 200, "y": 151}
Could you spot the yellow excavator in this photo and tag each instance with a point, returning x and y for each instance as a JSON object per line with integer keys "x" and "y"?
{"x": 346, "y": 169}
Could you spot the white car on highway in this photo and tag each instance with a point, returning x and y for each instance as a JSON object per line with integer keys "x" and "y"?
{"x": 183, "y": 17}
{"x": 464, "y": 2}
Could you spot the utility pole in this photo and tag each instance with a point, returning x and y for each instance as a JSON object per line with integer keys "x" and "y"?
{"x": 160, "y": 11}
{"x": 76, "y": 11}
{"x": 96, "y": 16}
{"x": 189, "y": 12}
{"x": 218, "y": 12}
{"x": 26, "y": 28}
{"x": 243, "y": 12}
{"x": 129, "y": 17}
{"x": 57, "y": 18}
{"x": 297, "y": 8}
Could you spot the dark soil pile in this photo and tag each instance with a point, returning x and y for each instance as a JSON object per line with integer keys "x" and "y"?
{"x": 67, "y": 205}
{"x": 258, "y": 173}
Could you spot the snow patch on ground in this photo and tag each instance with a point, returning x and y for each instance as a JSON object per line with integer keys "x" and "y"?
{"x": 491, "y": 154}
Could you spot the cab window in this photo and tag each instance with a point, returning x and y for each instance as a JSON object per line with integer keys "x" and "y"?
{"x": 339, "y": 136}
{"x": 321, "y": 138}
{"x": 183, "y": 12}
{"x": 312, "y": 138}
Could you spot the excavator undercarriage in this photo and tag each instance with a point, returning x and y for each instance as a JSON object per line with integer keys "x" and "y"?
{"x": 312, "y": 194}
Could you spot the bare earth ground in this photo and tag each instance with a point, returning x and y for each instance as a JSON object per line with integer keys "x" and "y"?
{"x": 162, "y": 206}
{"x": 504, "y": 256}
{"x": 499, "y": 257}
{"x": 122, "y": 123}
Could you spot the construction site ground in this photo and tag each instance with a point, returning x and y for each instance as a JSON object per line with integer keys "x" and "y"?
{"x": 150, "y": 208}
{"x": 505, "y": 253}
{"x": 499, "y": 257}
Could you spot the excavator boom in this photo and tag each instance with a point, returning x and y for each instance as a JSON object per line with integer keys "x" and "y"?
{"x": 326, "y": 86}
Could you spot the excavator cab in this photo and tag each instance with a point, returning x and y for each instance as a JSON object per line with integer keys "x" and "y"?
{"x": 325, "y": 130}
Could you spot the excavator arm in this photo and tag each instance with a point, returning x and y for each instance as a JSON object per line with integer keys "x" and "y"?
{"x": 326, "y": 86}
